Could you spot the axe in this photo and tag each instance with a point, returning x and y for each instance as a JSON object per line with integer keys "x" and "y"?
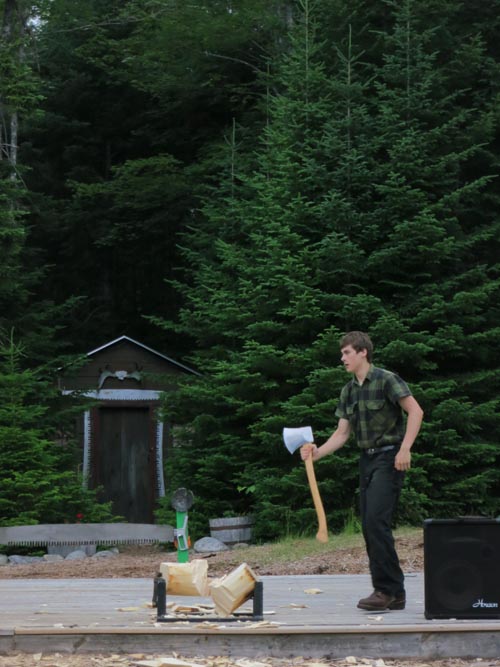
{"x": 294, "y": 438}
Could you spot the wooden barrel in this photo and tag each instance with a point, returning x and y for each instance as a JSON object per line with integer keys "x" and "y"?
{"x": 232, "y": 530}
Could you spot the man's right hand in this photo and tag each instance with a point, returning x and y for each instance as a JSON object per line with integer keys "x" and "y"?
{"x": 308, "y": 450}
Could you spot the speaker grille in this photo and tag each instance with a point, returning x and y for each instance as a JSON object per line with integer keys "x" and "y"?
{"x": 461, "y": 574}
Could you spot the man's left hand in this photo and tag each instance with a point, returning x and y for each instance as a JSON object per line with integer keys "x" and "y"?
{"x": 403, "y": 460}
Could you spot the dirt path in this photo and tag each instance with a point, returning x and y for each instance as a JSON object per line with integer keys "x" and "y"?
{"x": 144, "y": 561}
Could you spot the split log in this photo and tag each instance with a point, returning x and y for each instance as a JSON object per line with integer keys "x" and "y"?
{"x": 232, "y": 590}
{"x": 186, "y": 578}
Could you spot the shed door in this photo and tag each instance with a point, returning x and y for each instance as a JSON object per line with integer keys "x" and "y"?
{"x": 124, "y": 463}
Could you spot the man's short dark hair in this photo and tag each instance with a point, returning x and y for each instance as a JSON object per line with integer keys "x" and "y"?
{"x": 358, "y": 341}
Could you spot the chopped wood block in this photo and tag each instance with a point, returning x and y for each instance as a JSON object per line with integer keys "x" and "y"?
{"x": 231, "y": 591}
{"x": 166, "y": 662}
{"x": 186, "y": 578}
{"x": 191, "y": 609}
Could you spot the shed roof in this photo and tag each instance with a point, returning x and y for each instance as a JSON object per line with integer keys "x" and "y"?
{"x": 122, "y": 339}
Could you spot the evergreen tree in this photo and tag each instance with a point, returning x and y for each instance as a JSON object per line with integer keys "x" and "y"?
{"x": 34, "y": 318}
{"x": 135, "y": 92}
{"x": 259, "y": 305}
{"x": 37, "y": 484}
{"x": 353, "y": 217}
{"x": 348, "y": 178}
{"x": 17, "y": 93}
{"x": 425, "y": 261}
{"x": 36, "y": 479}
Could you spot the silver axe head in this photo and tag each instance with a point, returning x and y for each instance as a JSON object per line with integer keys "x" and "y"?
{"x": 294, "y": 438}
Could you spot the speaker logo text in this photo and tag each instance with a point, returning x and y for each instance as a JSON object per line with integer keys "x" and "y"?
{"x": 482, "y": 603}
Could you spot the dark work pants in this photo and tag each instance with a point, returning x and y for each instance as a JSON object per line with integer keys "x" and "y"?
{"x": 380, "y": 486}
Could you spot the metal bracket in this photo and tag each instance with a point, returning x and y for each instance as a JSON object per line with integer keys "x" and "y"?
{"x": 180, "y": 534}
{"x": 160, "y": 602}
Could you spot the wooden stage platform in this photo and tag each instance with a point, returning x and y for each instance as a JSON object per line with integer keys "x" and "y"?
{"x": 114, "y": 615}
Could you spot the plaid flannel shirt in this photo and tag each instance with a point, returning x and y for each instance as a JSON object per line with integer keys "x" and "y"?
{"x": 372, "y": 409}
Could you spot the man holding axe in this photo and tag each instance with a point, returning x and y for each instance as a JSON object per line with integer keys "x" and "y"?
{"x": 372, "y": 407}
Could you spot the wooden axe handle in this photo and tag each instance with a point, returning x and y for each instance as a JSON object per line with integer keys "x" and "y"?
{"x": 322, "y": 534}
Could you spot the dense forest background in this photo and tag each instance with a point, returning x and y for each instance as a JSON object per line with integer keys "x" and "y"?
{"x": 236, "y": 184}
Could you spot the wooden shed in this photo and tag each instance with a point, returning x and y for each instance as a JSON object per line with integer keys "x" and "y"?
{"x": 123, "y": 439}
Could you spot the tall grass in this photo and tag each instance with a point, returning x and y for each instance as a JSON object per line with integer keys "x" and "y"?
{"x": 295, "y": 547}
{"x": 352, "y": 525}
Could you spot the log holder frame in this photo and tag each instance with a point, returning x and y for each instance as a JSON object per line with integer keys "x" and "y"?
{"x": 160, "y": 603}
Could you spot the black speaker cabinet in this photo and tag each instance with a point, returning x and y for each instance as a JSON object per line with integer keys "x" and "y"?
{"x": 462, "y": 568}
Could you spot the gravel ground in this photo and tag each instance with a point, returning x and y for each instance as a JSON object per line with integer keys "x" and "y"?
{"x": 143, "y": 561}
{"x": 59, "y": 660}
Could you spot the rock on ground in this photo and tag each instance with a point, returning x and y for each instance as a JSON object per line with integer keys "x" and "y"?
{"x": 209, "y": 545}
